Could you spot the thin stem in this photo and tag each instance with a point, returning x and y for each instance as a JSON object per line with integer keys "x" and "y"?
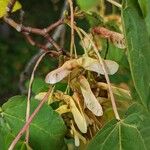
{"x": 72, "y": 27}
{"x": 82, "y": 40}
{"x": 81, "y": 37}
{"x": 102, "y": 8}
{"x": 29, "y": 93}
{"x": 25, "y": 127}
{"x": 107, "y": 48}
{"x": 75, "y": 51}
{"x": 115, "y": 3}
{"x": 50, "y": 96}
{"x": 106, "y": 76}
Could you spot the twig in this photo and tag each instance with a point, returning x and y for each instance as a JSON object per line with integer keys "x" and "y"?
{"x": 34, "y": 43}
{"x": 25, "y": 127}
{"x": 28, "y": 30}
{"x": 22, "y": 28}
{"x": 29, "y": 94}
{"x": 54, "y": 25}
{"x": 106, "y": 76}
{"x": 82, "y": 39}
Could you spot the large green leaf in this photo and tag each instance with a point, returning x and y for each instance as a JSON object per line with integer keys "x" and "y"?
{"x": 47, "y": 129}
{"x": 145, "y": 7}
{"x": 6, "y": 136}
{"x": 138, "y": 48}
{"x": 132, "y": 133}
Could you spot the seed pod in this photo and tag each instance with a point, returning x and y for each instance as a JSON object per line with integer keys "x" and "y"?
{"x": 57, "y": 75}
{"x": 62, "y": 72}
{"x": 78, "y": 117}
{"x": 89, "y": 98}
{"x": 94, "y": 65}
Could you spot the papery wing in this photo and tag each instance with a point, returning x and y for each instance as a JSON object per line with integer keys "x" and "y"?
{"x": 94, "y": 65}
{"x": 92, "y": 103}
{"x": 57, "y": 75}
{"x": 78, "y": 118}
{"x": 89, "y": 98}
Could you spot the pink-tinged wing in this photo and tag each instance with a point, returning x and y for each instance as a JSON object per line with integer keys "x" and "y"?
{"x": 57, "y": 75}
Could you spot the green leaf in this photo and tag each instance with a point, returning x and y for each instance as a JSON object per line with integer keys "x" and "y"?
{"x": 87, "y": 4}
{"x": 139, "y": 117}
{"x": 132, "y": 133}
{"x": 46, "y": 130}
{"x": 6, "y": 136}
{"x": 138, "y": 47}
{"x": 145, "y": 5}
{"x": 38, "y": 86}
{"x": 3, "y": 5}
{"x": 61, "y": 86}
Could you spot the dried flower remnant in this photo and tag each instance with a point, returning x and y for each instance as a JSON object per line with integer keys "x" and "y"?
{"x": 89, "y": 98}
{"x": 116, "y": 38}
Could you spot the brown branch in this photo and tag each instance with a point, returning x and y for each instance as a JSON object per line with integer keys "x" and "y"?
{"x": 26, "y": 126}
{"x": 52, "y": 53}
{"x": 22, "y": 28}
{"x": 54, "y": 25}
{"x": 34, "y": 43}
{"x": 43, "y": 32}
{"x": 51, "y": 40}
